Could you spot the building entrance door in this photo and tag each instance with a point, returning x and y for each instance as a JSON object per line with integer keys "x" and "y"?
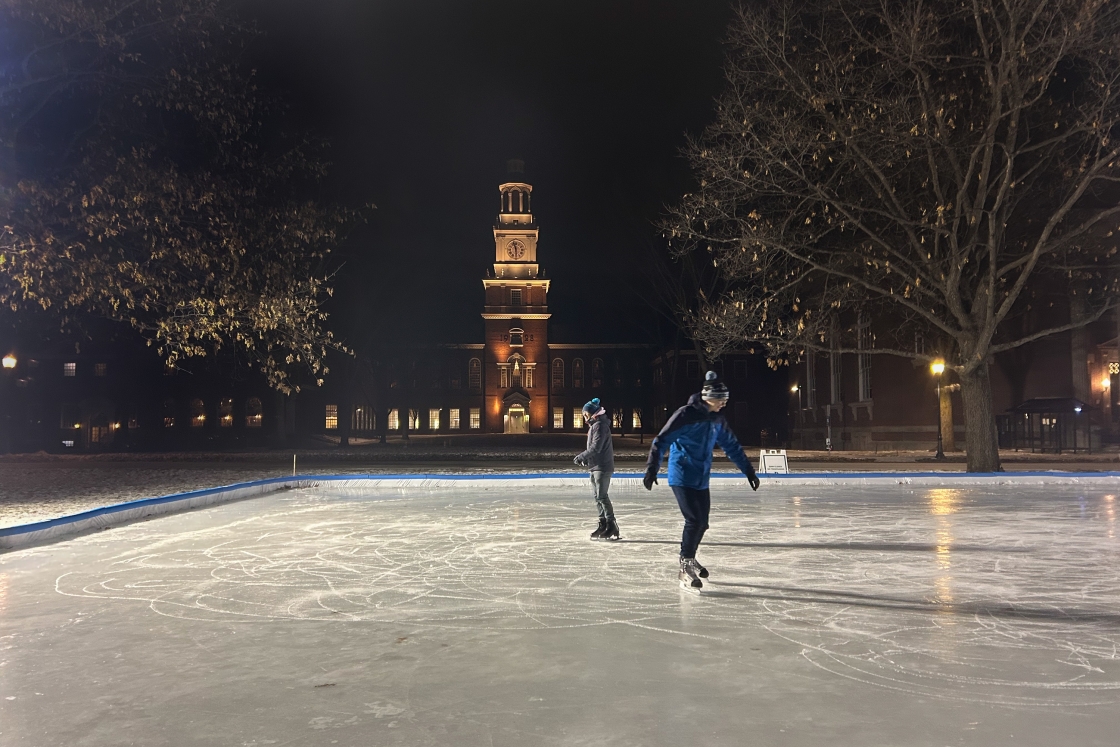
{"x": 517, "y": 420}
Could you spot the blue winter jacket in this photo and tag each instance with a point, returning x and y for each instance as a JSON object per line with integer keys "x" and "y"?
{"x": 690, "y": 435}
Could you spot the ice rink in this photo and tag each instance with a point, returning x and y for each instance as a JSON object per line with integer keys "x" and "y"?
{"x": 834, "y": 616}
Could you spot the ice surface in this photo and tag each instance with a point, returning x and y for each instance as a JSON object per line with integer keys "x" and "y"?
{"x": 861, "y": 616}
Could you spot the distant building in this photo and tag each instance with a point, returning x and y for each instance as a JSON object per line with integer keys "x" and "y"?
{"x": 515, "y": 380}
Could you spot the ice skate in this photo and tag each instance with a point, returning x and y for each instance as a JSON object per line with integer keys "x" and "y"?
{"x": 690, "y": 574}
{"x": 701, "y": 571}
{"x": 611, "y": 532}
{"x": 598, "y": 533}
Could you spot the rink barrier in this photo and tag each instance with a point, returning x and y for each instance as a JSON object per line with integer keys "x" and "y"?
{"x": 39, "y": 532}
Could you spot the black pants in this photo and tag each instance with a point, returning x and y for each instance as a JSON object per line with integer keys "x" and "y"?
{"x": 695, "y": 505}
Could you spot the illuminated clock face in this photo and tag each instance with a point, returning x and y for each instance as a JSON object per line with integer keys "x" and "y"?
{"x": 515, "y": 249}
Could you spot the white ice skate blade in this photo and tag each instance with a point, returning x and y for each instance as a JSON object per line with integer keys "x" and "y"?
{"x": 687, "y": 586}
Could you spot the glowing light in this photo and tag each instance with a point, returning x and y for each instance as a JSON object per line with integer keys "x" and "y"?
{"x": 1106, "y": 382}
{"x": 9, "y": 361}
{"x": 937, "y": 367}
{"x": 794, "y": 388}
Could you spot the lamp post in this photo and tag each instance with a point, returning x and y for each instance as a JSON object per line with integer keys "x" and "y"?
{"x": 938, "y": 367}
{"x": 9, "y": 365}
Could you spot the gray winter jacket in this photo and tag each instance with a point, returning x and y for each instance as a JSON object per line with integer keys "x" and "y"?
{"x": 599, "y": 454}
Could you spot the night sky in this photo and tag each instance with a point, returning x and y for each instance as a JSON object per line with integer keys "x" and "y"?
{"x": 424, "y": 101}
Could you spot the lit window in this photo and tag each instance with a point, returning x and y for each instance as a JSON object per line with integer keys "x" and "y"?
{"x": 433, "y": 419}
{"x": 864, "y": 341}
{"x": 413, "y": 419}
{"x": 577, "y": 373}
{"x": 476, "y": 418}
{"x": 577, "y": 417}
{"x": 225, "y": 413}
{"x": 330, "y": 419}
{"x": 558, "y": 418}
{"x": 253, "y": 413}
{"x": 394, "y": 420}
{"x": 99, "y": 429}
{"x": 474, "y": 374}
{"x": 68, "y": 444}
{"x": 636, "y": 420}
{"x": 101, "y": 369}
{"x": 363, "y": 418}
{"x": 557, "y": 374}
{"x": 69, "y": 369}
{"x": 527, "y": 375}
{"x": 198, "y": 413}
{"x": 504, "y": 376}
{"x": 454, "y": 418}
{"x": 616, "y": 420}
{"x": 169, "y": 413}
{"x": 811, "y": 381}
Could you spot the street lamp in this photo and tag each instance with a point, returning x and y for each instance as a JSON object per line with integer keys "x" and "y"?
{"x": 9, "y": 364}
{"x": 938, "y": 368}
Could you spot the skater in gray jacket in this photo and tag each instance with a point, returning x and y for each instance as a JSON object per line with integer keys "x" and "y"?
{"x": 599, "y": 458}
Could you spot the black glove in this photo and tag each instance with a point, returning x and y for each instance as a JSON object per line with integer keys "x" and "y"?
{"x": 650, "y": 479}
{"x": 752, "y": 478}
{"x": 578, "y": 462}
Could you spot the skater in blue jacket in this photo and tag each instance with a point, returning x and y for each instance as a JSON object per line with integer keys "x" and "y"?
{"x": 598, "y": 457}
{"x": 690, "y": 435}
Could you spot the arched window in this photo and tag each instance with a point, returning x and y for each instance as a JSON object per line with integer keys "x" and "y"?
{"x": 513, "y": 372}
{"x": 558, "y": 375}
{"x": 596, "y": 372}
{"x": 198, "y": 413}
{"x": 225, "y": 413}
{"x": 253, "y": 413}
{"x": 474, "y": 374}
{"x": 577, "y": 373}
{"x": 516, "y": 336}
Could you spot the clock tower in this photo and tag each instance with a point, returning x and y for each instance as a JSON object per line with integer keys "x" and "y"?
{"x": 516, "y": 317}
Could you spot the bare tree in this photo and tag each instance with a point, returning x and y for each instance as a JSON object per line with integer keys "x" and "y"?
{"x": 924, "y": 163}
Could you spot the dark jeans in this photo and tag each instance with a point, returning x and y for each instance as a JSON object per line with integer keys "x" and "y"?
{"x": 600, "y": 483}
{"x": 695, "y": 505}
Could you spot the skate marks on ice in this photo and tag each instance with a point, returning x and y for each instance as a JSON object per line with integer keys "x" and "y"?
{"x": 1015, "y": 603}
{"x": 499, "y": 564}
{"x": 1007, "y": 599}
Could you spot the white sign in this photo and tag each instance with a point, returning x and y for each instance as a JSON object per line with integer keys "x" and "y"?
{"x": 773, "y": 461}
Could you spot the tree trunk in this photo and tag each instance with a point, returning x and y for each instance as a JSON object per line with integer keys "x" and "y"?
{"x": 948, "y": 437}
{"x": 1079, "y": 347}
{"x": 980, "y": 438}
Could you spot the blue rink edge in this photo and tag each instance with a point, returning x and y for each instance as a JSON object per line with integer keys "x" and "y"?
{"x": 104, "y": 516}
